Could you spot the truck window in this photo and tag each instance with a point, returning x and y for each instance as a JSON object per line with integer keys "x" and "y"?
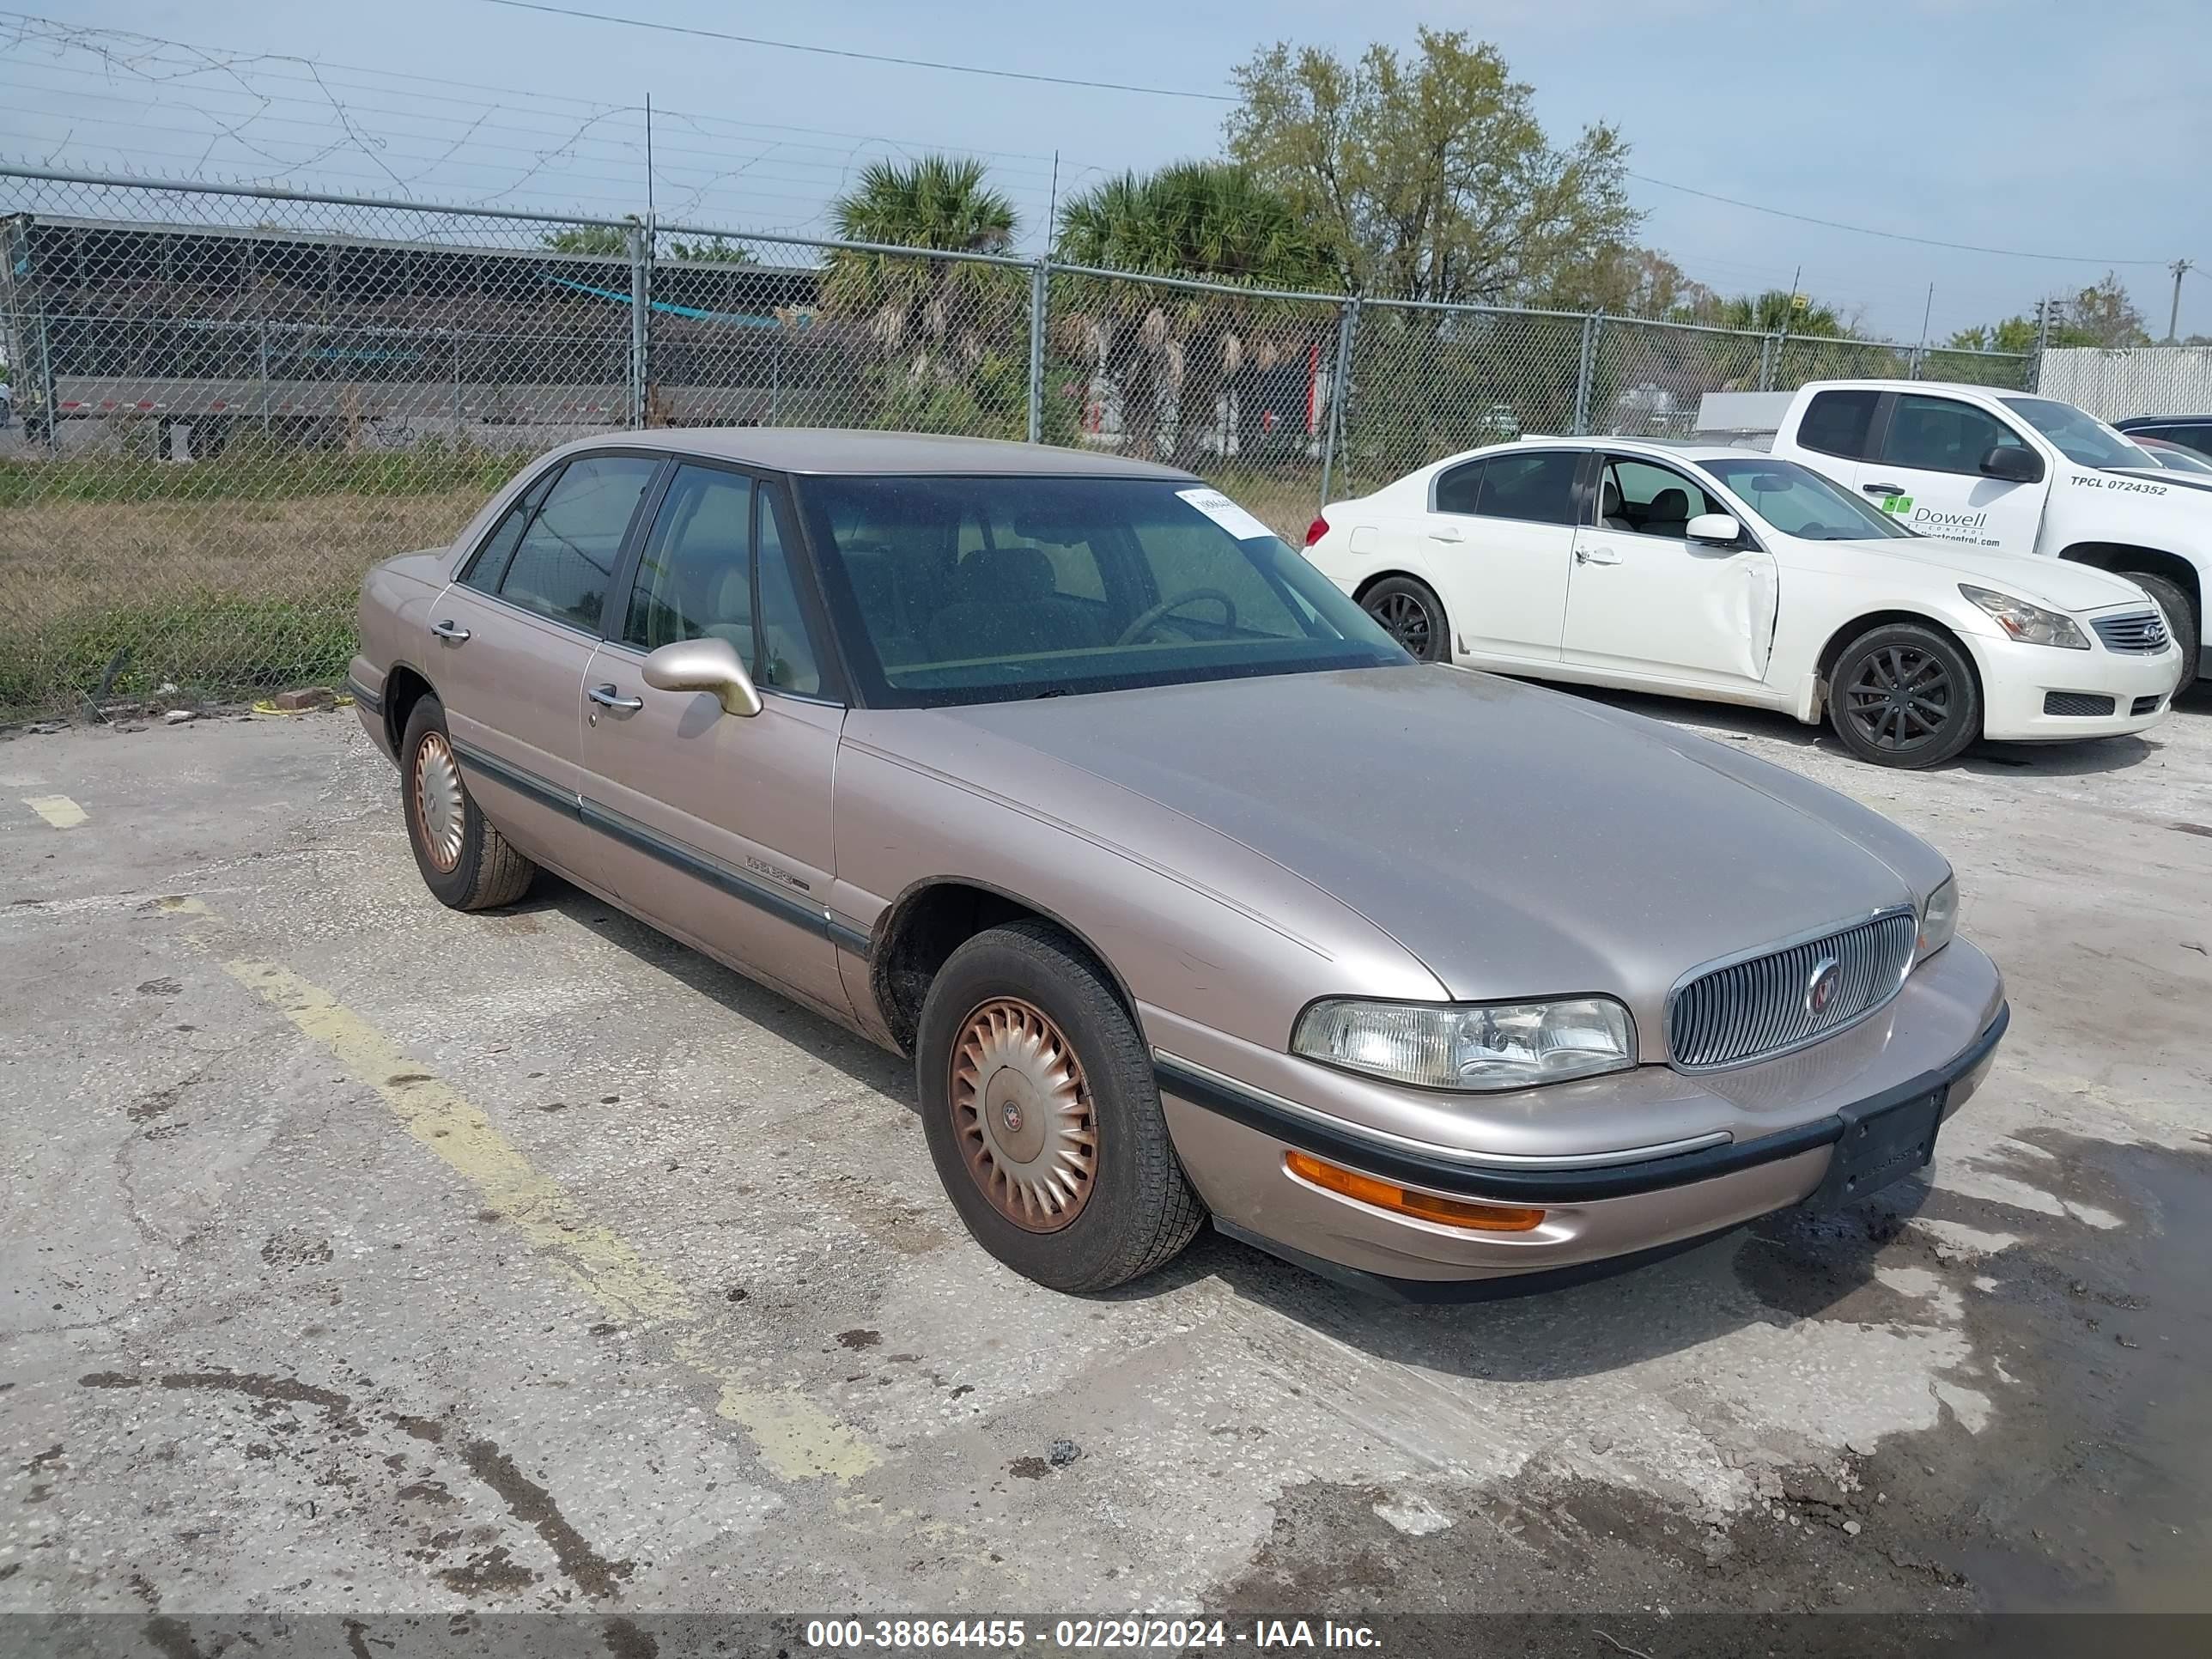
{"x": 1941, "y": 434}
{"x": 1836, "y": 423}
{"x": 2081, "y": 437}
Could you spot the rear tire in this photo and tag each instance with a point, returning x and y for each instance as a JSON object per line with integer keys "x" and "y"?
{"x": 2181, "y": 622}
{"x": 1904, "y": 696}
{"x": 465, "y": 863}
{"x": 1043, "y": 1116}
{"x": 1412, "y": 614}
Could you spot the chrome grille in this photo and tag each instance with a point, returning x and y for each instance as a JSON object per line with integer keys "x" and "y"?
{"x": 1760, "y": 1007}
{"x": 2142, "y": 632}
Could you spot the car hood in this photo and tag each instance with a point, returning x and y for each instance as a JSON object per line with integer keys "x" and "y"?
{"x": 1517, "y": 841}
{"x": 2058, "y": 584}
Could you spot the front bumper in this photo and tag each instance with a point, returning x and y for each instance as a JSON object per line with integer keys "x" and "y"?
{"x": 1767, "y": 1143}
{"x": 2018, "y": 681}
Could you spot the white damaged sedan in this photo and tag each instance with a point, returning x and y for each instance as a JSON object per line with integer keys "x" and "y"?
{"x": 1704, "y": 571}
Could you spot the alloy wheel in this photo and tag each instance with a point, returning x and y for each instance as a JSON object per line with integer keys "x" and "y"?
{"x": 1901, "y": 698}
{"x": 1022, "y": 1115}
{"x": 1407, "y": 621}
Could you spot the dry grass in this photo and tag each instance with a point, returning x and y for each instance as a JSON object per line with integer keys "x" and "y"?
{"x": 222, "y": 597}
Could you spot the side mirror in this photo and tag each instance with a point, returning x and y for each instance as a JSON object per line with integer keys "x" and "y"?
{"x": 707, "y": 665}
{"x": 1720, "y": 529}
{"x": 2012, "y": 463}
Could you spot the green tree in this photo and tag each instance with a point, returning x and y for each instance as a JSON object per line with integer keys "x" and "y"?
{"x": 945, "y": 343}
{"x": 716, "y": 250}
{"x": 1178, "y": 356}
{"x": 1429, "y": 176}
{"x": 609, "y": 241}
{"x": 2101, "y": 314}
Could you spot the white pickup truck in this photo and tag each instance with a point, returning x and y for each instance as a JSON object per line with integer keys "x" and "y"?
{"x": 2003, "y": 471}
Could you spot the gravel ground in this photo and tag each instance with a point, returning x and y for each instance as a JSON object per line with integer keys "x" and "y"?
{"x": 365, "y": 1257}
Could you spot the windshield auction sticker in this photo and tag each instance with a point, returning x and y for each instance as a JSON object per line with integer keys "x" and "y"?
{"x": 1226, "y": 513}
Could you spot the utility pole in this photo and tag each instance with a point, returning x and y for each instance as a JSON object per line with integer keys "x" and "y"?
{"x": 2180, "y": 269}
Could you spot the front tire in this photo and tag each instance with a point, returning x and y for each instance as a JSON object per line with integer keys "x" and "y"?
{"x": 465, "y": 863}
{"x": 1412, "y": 614}
{"x": 2181, "y": 622}
{"x": 1904, "y": 696}
{"x": 1043, "y": 1116}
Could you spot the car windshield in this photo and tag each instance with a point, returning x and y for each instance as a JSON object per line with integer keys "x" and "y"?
{"x": 955, "y": 589}
{"x": 1798, "y": 502}
{"x": 2079, "y": 437}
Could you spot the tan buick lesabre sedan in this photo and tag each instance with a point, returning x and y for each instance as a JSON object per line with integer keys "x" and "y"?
{"x": 1189, "y": 894}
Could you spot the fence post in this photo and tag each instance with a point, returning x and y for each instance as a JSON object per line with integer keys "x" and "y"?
{"x": 1583, "y": 374}
{"x": 1766, "y": 356}
{"x": 262, "y": 333}
{"x": 1339, "y": 380}
{"x": 461, "y": 407}
{"x": 1037, "y": 287}
{"x": 640, "y": 302}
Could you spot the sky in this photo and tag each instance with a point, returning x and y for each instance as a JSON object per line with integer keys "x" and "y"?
{"x": 2023, "y": 127}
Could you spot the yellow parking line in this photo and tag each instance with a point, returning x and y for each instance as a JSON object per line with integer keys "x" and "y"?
{"x": 57, "y": 810}
{"x": 795, "y": 1437}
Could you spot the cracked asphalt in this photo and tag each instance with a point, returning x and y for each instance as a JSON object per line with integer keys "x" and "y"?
{"x": 363, "y": 1257}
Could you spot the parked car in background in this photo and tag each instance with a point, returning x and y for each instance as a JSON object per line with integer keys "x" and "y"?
{"x": 2191, "y": 432}
{"x": 1705, "y": 571}
{"x": 2005, "y": 471}
{"x": 1062, "y": 775}
{"x": 2174, "y": 456}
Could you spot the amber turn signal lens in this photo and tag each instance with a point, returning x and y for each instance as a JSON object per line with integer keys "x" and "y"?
{"x": 1450, "y": 1211}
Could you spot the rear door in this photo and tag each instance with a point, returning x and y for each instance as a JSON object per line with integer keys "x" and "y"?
{"x": 1499, "y": 534}
{"x": 718, "y": 826}
{"x": 1645, "y": 599}
{"x": 1926, "y": 472}
{"x": 513, "y": 636}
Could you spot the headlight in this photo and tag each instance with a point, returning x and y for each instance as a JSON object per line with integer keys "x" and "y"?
{"x": 2029, "y": 624}
{"x": 1500, "y": 1045}
{"x": 1938, "y": 919}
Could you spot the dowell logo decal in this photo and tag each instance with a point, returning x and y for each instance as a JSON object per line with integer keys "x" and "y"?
{"x": 1937, "y": 523}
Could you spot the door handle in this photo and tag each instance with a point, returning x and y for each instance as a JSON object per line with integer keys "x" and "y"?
{"x": 451, "y": 631}
{"x": 1883, "y": 488}
{"x": 1596, "y": 555}
{"x": 1449, "y": 532}
{"x": 607, "y": 698}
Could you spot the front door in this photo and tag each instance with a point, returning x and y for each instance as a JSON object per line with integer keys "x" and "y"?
{"x": 1645, "y": 599}
{"x": 718, "y": 825}
{"x": 511, "y": 639}
{"x": 1927, "y": 473}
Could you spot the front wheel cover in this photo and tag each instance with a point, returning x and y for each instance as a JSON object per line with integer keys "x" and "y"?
{"x": 1078, "y": 1187}
{"x": 1906, "y": 697}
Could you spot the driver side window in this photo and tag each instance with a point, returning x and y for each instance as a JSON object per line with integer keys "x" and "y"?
{"x": 1645, "y": 500}
{"x": 1940, "y": 435}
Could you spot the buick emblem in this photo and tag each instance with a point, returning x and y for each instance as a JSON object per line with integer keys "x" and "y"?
{"x": 1821, "y": 989}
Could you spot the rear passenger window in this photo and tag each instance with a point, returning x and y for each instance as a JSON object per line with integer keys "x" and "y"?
{"x": 1540, "y": 486}
{"x": 1836, "y": 423}
{"x": 1457, "y": 489}
{"x": 566, "y": 557}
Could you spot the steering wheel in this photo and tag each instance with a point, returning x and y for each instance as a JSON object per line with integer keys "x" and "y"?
{"x": 1137, "y": 629}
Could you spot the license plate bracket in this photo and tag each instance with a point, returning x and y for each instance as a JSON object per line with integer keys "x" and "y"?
{"x": 1879, "y": 1148}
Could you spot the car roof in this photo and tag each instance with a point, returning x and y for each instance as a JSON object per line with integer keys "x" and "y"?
{"x": 831, "y": 450}
{"x": 1679, "y": 449}
{"x": 2134, "y": 421}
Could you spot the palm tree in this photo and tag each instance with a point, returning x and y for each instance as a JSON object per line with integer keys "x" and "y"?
{"x": 948, "y": 337}
{"x": 1174, "y": 354}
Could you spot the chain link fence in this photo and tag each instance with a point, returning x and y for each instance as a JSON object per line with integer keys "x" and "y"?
{"x": 2137, "y": 380}
{"x": 228, "y": 402}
